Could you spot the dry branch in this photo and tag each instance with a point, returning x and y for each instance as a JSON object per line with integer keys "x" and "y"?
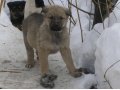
{"x": 62, "y": 3}
{"x": 80, "y": 9}
{"x": 69, "y": 6}
{"x": 10, "y": 71}
{"x": 108, "y": 70}
{"x": 49, "y": 2}
{"x": 52, "y": 2}
{"x": 79, "y": 22}
{"x": 90, "y": 17}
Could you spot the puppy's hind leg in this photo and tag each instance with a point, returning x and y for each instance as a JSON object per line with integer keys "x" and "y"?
{"x": 30, "y": 53}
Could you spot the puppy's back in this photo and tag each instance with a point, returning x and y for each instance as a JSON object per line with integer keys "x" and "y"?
{"x": 32, "y": 22}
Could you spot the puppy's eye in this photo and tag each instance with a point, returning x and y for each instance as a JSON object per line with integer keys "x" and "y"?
{"x": 51, "y": 17}
{"x": 20, "y": 8}
{"x": 61, "y": 18}
{"x": 13, "y": 9}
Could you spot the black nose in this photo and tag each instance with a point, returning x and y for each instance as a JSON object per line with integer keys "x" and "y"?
{"x": 57, "y": 25}
{"x": 56, "y": 28}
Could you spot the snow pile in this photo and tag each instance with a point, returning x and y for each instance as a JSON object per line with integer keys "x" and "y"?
{"x": 87, "y": 49}
{"x": 84, "y": 82}
{"x": 11, "y": 41}
{"x": 80, "y": 50}
{"x": 4, "y": 19}
{"x": 107, "y": 54}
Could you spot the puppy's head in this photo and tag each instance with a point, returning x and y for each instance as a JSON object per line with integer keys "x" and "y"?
{"x": 56, "y": 16}
{"x": 16, "y": 8}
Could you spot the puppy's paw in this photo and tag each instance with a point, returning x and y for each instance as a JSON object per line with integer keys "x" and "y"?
{"x": 76, "y": 73}
{"x": 79, "y": 72}
{"x": 47, "y": 80}
{"x": 52, "y": 77}
{"x": 30, "y": 65}
{"x": 84, "y": 70}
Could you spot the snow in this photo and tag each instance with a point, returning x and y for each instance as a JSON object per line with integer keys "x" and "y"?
{"x": 107, "y": 53}
{"x": 10, "y": 40}
{"x": 13, "y": 58}
{"x": 98, "y": 52}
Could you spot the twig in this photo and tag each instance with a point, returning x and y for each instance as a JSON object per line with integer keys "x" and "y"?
{"x": 108, "y": 70}
{"x": 81, "y": 9}
{"x": 10, "y": 71}
{"x": 69, "y": 6}
{"x": 18, "y": 70}
{"x": 108, "y": 12}
{"x": 53, "y": 2}
{"x": 62, "y": 3}
{"x": 117, "y": 4}
{"x": 79, "y": 22}
{"x": 71, "y": 18}
{"x": 90, "y": 18}
{"x": 73, "y": 21}
{"x": 101, "y": 13}
{"x": 49, "y": 2}
{"x": 4, "y": 3}
{"x": 117, "y": 7}
{"x": 115, "y": 15}
{"x": 97, "y": 31}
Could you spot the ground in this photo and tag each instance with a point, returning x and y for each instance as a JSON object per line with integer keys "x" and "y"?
{"x": 13, "y": 54}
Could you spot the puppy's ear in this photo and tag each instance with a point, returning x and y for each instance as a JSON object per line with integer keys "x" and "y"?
{"x": 68, "y": 12}
{"x": 23, "y": 3}
{"x": 45, "y": 9}
{"x": 10, "y": 4}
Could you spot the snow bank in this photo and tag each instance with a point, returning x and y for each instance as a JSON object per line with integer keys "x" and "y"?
{"x": 11, "y": 41}
{"x": 87, "y": 49}
{"x": 12, "y": 49}
{"x": 80, "y": 50}
{"x": 107, "y": 54}
{"x": 84, "y": 82}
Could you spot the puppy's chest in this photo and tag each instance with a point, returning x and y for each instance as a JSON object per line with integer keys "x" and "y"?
{"x": 56, "y": 39}
{"x": 52, "y": 42}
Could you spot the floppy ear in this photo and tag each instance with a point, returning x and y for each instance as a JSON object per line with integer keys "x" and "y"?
{"x": 23, "y": 3}
{"x": 10, "y": 4}
{"x": 44, "y": 9}
{"x": 68, "y": 12}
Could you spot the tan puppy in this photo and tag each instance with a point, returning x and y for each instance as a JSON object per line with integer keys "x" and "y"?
{"x": 47, "y": 33}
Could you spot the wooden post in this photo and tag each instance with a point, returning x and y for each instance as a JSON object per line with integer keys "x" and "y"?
{"x": 1, "y": 3}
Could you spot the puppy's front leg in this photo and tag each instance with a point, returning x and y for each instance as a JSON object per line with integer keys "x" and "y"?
{"x": 46, "y": 79}
{"x": 43, "y": 59}
{"x": 67, "y": 57}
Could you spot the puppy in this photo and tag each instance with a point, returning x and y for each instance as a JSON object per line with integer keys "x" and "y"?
{"x": 16, "y": 13}
{"x": 48, "y": 34}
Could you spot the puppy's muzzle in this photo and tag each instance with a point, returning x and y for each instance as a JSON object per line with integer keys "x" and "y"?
{"x": 56, "y": 28}
{"x": 55, "y": 25}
